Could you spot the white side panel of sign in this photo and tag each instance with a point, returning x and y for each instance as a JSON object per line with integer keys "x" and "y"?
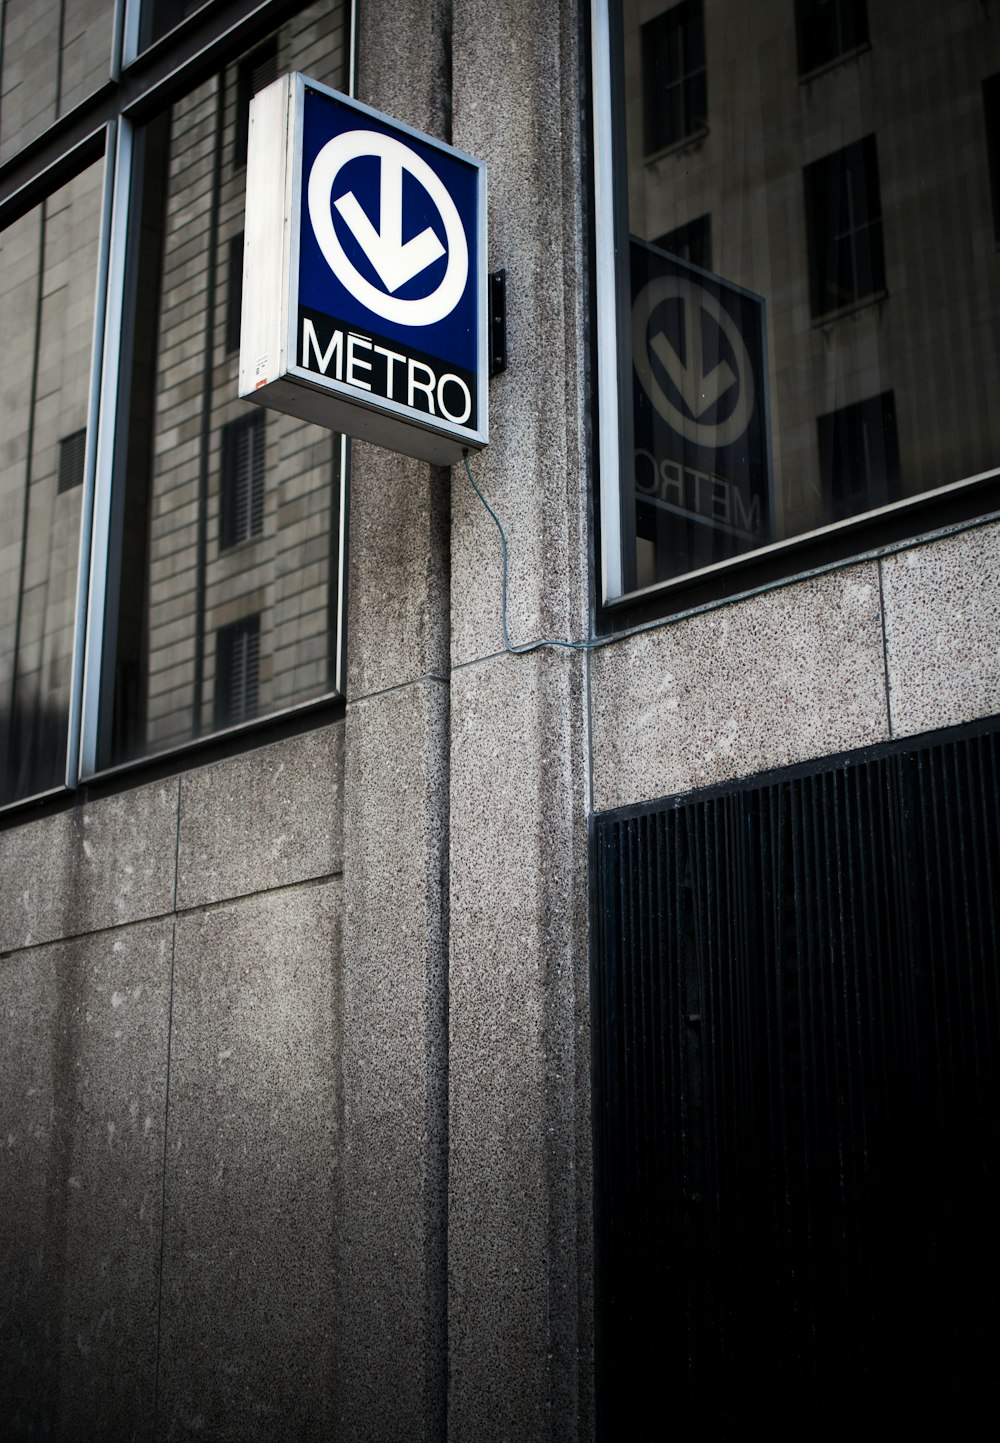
{"x": 266, "y": 238}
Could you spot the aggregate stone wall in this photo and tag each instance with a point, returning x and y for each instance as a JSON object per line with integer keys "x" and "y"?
{"x": 888, "y": 647}
{"x": 169, "y": 1104}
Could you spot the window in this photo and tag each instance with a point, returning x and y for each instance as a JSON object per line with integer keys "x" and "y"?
{"x": 242, "y": 504}
{"x": 828, "y": 29}
{"x": 234, "y": 293}
{"x": 237, "y": 669}
{"x": 674, "y": 76}
{"x": 71, "y": 455}
{"x": 844, "y": 213}
{"x": 991, "y": 110}
{"x": 53, "y": 57}
{"x": 736, "y": 285}
{"x": 254, "y": 73}
{"x": 859, "y": 457}
{"x": 690, "y": 242}
{"x": 48, "y": 267}
{"x": 139, "y": 445}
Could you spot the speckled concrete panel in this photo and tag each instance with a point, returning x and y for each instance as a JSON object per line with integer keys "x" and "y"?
{"x": 99, "y": 865}
{"x": 779, "y": 678}
{"x": 942, "y": 629}
{"x": 517, "y": 106}
{"x": 519, "y": 1243}
{"x": 261, "y": 820}
{"x": 83, "y": 1036}
{"x": 391, "y": 1183}
{"x": 248, "y": 1298}
{"x": 398, "y": 566}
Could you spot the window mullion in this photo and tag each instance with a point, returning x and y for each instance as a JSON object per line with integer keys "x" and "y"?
{"x": 95, "y": 566}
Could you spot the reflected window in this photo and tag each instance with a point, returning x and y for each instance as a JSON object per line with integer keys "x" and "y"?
{"x": 844, "y": 214}
{"x": 237, "y": 668}
{"x": 72, "y": 450}
{"x": 53, "y": 55}
{"x": 828, "y": 29}
{"x": 234, "y": 293}
{"x": 859, "y": 457}
{"x": 743, "y": 274}
{"x": 242, "y": 505}
{"x": 691, "y": 242}
{"x": 226, "y": 512}
{"x": 674, "y": 77}
{"x": 253, "y": 74}
{"x": 48, "y": 286}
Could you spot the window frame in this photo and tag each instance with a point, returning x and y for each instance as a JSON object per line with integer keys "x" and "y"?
{"x": 955, "y": 504}
{"x": 104, "y": 126}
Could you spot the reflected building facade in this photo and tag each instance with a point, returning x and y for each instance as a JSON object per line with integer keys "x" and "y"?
{"x": 837, "y": 162}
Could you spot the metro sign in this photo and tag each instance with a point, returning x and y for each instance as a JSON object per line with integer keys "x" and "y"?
{"x": 364, "y": 279}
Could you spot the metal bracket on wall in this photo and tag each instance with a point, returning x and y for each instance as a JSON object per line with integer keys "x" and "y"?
{"x": 498, "y": 322}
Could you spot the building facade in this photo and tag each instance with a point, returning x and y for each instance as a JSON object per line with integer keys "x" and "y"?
{"x": 328, "y": 1098}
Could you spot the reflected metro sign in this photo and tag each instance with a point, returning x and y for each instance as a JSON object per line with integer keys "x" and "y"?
{"x": 364, "y": 275}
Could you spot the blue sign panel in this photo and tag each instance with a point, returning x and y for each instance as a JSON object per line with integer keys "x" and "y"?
{"x": 390, "y": 305}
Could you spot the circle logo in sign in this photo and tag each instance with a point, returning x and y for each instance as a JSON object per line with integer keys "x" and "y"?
{"x": 394, "y": 261}
{"x": 697, "y": 392}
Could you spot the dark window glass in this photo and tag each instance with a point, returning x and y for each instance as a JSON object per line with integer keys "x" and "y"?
{"x": 72, "y": 450}
{"x": 48, "y": 270}
{"x": 844, "y": 214}
{"x": 242, "y": 508}
{"x": 675, "y": 87}
{"x": 54, "y": 54}
{"x": 734, "y": 335}
{"x": 237, "y": 668}
{"x": 160, "y": 16}
{"x": 199, "y": 469}
{"x": 253, "y": 73}
{"x": 827, "y": 29}
{"x": 691, "y": 242}
{"x": 991, "y": 109}
{"x": 859, "y": 457}
{"x": 234, "y": 293}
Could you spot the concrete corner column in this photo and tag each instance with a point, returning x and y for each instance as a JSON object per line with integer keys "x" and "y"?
{"x": 390, "y": 1295}
{"x": 519, "y": 1239}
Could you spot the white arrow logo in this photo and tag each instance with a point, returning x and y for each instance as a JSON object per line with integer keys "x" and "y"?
{"x": 698, "y": 392}
{"x": 394, "y": 261}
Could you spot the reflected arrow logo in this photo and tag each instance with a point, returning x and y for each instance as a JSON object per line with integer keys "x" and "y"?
{"x": 698, "y": 393}
{"x": 394, "y": 261}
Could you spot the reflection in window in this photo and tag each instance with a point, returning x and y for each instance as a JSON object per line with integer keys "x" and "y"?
{"x": 673, "y": 75}
{"x": 859, "y": 457}
{"x": 690, "y": 242}
{"x": 48, "y": 276}
{"x": 844, "y": 212}
{"x": 828, "y": 29}
{"x": 201, "y": 470}
{"x": 72, "y": 450}
{"x": 253, "y": 74}
{"x": 237, "y": 670}
{"x": 53, "y": 54}
{"x": 160, "y": 16}
{"x": 732, "y": 430}
{"x": 991, "y": 110}
{"x": 234, "y": 293}
{"x": 242, "y": 504}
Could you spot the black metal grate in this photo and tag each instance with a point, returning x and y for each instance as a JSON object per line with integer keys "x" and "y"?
{"x": 795, "y": 1008}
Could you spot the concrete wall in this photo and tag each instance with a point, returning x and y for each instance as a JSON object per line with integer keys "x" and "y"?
{"x": 170, "y": 1104}
{"x": 345, "y": 976}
